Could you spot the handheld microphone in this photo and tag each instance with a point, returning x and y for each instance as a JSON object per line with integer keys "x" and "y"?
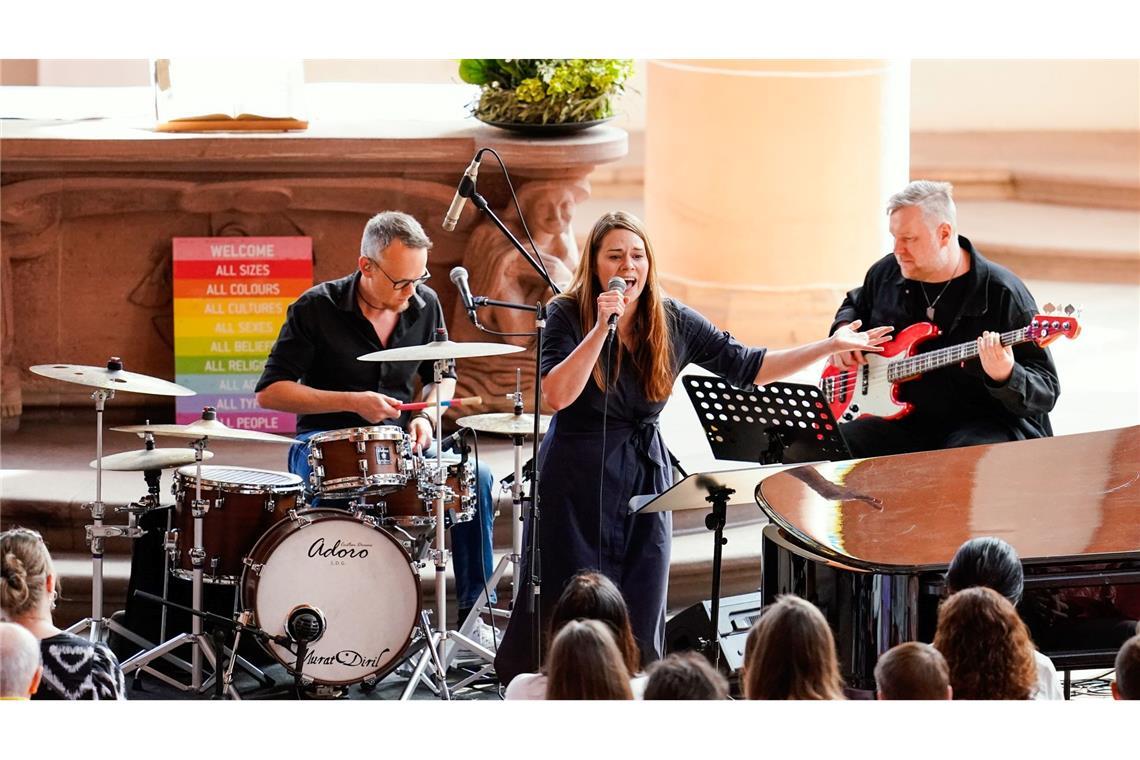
{"x": 459, "y": 280}
{"x": 618, "y": 284}
{"x": 462, "y": 193}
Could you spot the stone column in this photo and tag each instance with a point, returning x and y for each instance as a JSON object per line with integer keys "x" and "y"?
{"x": 766, "y": 182}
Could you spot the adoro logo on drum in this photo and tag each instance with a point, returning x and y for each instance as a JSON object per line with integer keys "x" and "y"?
{"x": 347, "y": 550}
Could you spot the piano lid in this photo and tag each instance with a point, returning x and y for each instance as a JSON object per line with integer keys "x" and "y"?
{"x": 1069, "y": 497}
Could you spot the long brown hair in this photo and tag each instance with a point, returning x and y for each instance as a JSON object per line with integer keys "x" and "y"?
{"x": 986, "y": 646}
{"x": 585, "y": 664}
{"x": 790, "y": 654}
{"x": 593, "y": 596}
{"x": 653, "y": 353}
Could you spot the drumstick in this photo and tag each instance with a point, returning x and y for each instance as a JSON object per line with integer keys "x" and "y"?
{"x": 418, "y": 405}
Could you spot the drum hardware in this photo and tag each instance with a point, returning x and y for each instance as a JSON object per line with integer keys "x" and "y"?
{"x": 441, "y": 352}
{"x": 106, "y": 380}
{"x": 200, "y": 432}
{"x": 519, "y": 426}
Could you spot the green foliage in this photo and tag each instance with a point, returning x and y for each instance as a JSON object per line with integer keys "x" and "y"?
{"x": 545, "y": 91}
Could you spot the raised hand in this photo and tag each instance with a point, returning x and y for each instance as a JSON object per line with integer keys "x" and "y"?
{"x": 848, "y": 344}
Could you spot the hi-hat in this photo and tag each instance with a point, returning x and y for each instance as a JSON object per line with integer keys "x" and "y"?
{"x": 207, "y": 427}
{"x": 153, "y": 459}
{"x": 112, "y": 377}
{"x": 440, "y": 349}
{"x": 505, "y": 423}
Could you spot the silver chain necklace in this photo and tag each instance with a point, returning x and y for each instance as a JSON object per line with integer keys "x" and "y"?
{"x": 931, "y": 304}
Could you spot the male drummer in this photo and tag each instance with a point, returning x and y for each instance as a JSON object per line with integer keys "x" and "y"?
{"x": 313, "y": 369}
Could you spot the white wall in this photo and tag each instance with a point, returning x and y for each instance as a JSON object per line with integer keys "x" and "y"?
{"x": 1025, "y": 95}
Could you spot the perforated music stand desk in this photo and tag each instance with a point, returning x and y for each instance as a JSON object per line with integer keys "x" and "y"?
{"x": 779, "y": 423}
{"x": 714, "y": 491}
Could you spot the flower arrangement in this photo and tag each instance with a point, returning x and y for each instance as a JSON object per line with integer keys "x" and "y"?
{"x": 545, "y": 91}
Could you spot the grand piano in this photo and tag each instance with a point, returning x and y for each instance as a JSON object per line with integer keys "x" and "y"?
{"x": 869, "y": 540}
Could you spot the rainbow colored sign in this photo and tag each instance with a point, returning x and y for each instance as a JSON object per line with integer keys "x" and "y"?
{"x": 231, "y": 295}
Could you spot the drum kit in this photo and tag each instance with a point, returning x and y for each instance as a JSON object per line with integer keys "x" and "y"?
{"x": 332, "y": 594}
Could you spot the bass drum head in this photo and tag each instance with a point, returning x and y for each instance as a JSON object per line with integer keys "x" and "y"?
{"x": 358, "y": 577}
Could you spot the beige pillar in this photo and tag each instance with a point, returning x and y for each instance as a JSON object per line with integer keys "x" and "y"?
{"x": 765, "y": 184}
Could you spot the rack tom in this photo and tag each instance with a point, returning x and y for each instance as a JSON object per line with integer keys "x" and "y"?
{"x": 363, "y": 459}
{"x": 412, "y": 508}
{"x": 241, "y": 504}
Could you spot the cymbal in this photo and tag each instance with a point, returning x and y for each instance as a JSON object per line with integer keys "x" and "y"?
{"x": 111, "y": 379}
{"x": 439, "y": 349}
{"x": 154, "y": 459}
{"x": 505, "y": 423}
{"x": 206, "y": 429}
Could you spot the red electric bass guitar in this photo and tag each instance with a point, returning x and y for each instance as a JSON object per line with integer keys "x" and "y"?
{"x": 872, "y": 389}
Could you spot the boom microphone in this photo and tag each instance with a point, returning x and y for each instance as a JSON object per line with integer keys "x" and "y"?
{"x": 462, "y": 193}
{"x": 459, "y": 280}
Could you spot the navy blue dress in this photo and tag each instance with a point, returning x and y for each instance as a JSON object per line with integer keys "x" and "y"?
{"x": 585, "y": 521}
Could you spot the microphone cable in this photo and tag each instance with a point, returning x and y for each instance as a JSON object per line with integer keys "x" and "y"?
{"x": 607, "y": 366}
{"x": 522, "y": 219}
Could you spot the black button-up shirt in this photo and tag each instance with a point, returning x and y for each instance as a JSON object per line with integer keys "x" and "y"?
{"x": 993, "y": 299}
{"x": 325, "y": 332}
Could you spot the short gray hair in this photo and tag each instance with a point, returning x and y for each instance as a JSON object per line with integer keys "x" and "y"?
{"x": 387, "y": 226}
{"x": 936, "y": 199}
{"x": 19, "y": 659}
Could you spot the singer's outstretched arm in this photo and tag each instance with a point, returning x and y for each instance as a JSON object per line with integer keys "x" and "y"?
{"x": 783, "y": 362}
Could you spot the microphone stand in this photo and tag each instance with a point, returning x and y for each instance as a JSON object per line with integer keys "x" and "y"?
{"x": 534, "y": 605}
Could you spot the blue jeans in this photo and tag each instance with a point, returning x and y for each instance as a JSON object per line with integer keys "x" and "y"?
{"x": 470, "y": 541}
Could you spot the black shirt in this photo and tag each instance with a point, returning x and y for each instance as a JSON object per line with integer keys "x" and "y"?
{"x": 987, "y": 297}
{"x": 325, "y": 332}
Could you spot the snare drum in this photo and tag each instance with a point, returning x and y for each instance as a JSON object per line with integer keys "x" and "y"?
{"x": 412, "y": 508}
{"x": 353, "y": 575}
{"x": 242, "y": 503}
{"x": 360, "y": 459}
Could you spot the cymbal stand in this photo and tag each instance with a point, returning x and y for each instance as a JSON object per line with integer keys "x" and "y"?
{"x": 200, "y": 645}
{"x": 510, "y": 561}
{"x": 152, "y": 500}
{"x": 96, "y": 624}
{"x": 436, "y": 641}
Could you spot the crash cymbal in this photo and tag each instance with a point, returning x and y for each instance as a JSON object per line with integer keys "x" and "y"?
{"x": 439, "y": 349}
{"x": 505, "y": 423}
{"x": 154, "y": 459}
{"x": 207, "y": 427}
{"x": 111, "y": 377}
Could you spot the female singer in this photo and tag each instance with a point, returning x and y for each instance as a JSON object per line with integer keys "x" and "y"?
{"x": 604, "y": 445}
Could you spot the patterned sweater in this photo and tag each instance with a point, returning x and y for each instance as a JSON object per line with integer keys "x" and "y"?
{"x": 75, "y": 668}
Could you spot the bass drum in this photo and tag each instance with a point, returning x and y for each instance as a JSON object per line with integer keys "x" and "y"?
{"x": 355, "y": 575}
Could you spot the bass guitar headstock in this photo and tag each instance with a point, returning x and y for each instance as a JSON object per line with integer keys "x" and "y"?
{"x": 1052, "y": 323}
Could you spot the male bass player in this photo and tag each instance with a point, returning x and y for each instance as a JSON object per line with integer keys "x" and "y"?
{"x": 313, "y": 369}
{"x": 935, "y": 275}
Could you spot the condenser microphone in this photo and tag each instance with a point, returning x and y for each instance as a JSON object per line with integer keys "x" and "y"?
{"x": 462, "y": 193}
{"x": 618, "y": 284}
{"x": 459, "y": 280}
{"x": 305, "y": 624}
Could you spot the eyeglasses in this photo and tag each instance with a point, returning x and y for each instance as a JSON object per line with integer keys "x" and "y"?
{"x": 401, "y": 284}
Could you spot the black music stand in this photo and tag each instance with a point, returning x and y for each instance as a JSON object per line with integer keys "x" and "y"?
{"x": 778, "y": 423}
{"x": 721, "y": 490}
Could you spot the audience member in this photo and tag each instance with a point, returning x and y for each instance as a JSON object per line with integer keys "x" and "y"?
{"x": 993, "y": 563}
{"x": 912, "y": 671}
{"x": 685, "y": 675}
{"x": 588, "y": 596}
{"x": 20, "y": 667}
{"x": 1127, "y": 683}
{"x": 790, "y": 654}
{"x": 73, "y": 667}
{"x": 986, "y": 646}
{"x": 585, "y": 663}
